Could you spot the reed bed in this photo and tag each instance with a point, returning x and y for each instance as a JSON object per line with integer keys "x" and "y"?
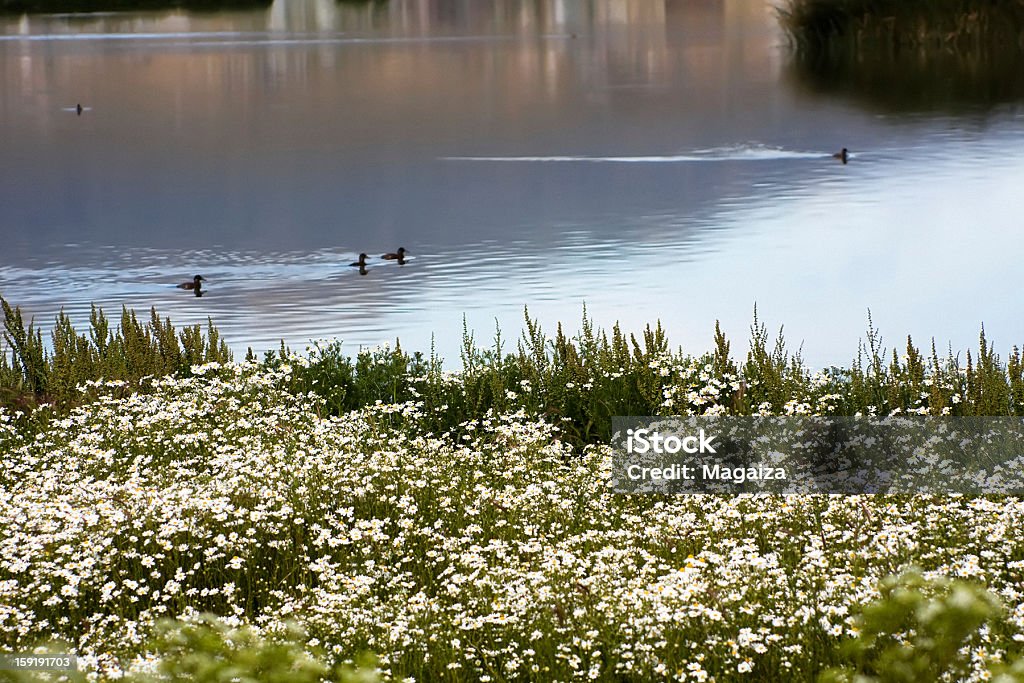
{"x": 818, "y": 25}
{"x": 34, "y": 372}
{"x": 576, "y": 382}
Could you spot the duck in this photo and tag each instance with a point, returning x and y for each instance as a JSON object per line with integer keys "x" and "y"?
{"x": 842, "y": 155}
{"x": 361, "y": 263}
{"x": 395, "y": 255}
{"x": 196, "y": 283}
{"x": 78, "y": 108}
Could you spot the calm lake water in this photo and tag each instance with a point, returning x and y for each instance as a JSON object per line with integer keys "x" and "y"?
{"x": 650, "y": 159}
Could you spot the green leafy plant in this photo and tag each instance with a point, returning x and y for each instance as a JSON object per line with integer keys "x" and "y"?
{"x": 576, "y": 383}
{"x": 921, "y": 630}
{"x": 209, "y": 650}
{"x": 37, "y": 373}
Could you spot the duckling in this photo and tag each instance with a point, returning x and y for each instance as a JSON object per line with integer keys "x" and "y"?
{"x": 842, "y": 155}
{"x": 395, "y": 256}
{"x": 361, "y": 263}
{"x": 195, "y": 284}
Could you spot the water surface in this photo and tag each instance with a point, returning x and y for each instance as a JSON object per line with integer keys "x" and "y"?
{"x": 650, "y": 160}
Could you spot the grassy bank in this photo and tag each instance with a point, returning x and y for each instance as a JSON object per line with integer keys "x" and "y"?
{"x": 829, "y": 24}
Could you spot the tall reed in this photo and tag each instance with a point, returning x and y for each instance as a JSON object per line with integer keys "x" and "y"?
{"x": 33, "y": 373}
{"x": 576, "y": 382}
{"x": 818, "y": 24}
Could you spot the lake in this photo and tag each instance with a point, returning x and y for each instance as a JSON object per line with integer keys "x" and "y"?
{"x": 648, "y": 160}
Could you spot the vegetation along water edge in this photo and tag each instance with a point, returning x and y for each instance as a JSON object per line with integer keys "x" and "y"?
{"x": 168, "y": 513}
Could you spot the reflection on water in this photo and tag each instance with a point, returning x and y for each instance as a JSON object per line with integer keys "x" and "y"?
{"x": 652, "y": 159}
{"x": 945, "y": 81}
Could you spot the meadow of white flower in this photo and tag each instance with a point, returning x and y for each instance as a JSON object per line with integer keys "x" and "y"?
{"x": 494, "y": 551}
